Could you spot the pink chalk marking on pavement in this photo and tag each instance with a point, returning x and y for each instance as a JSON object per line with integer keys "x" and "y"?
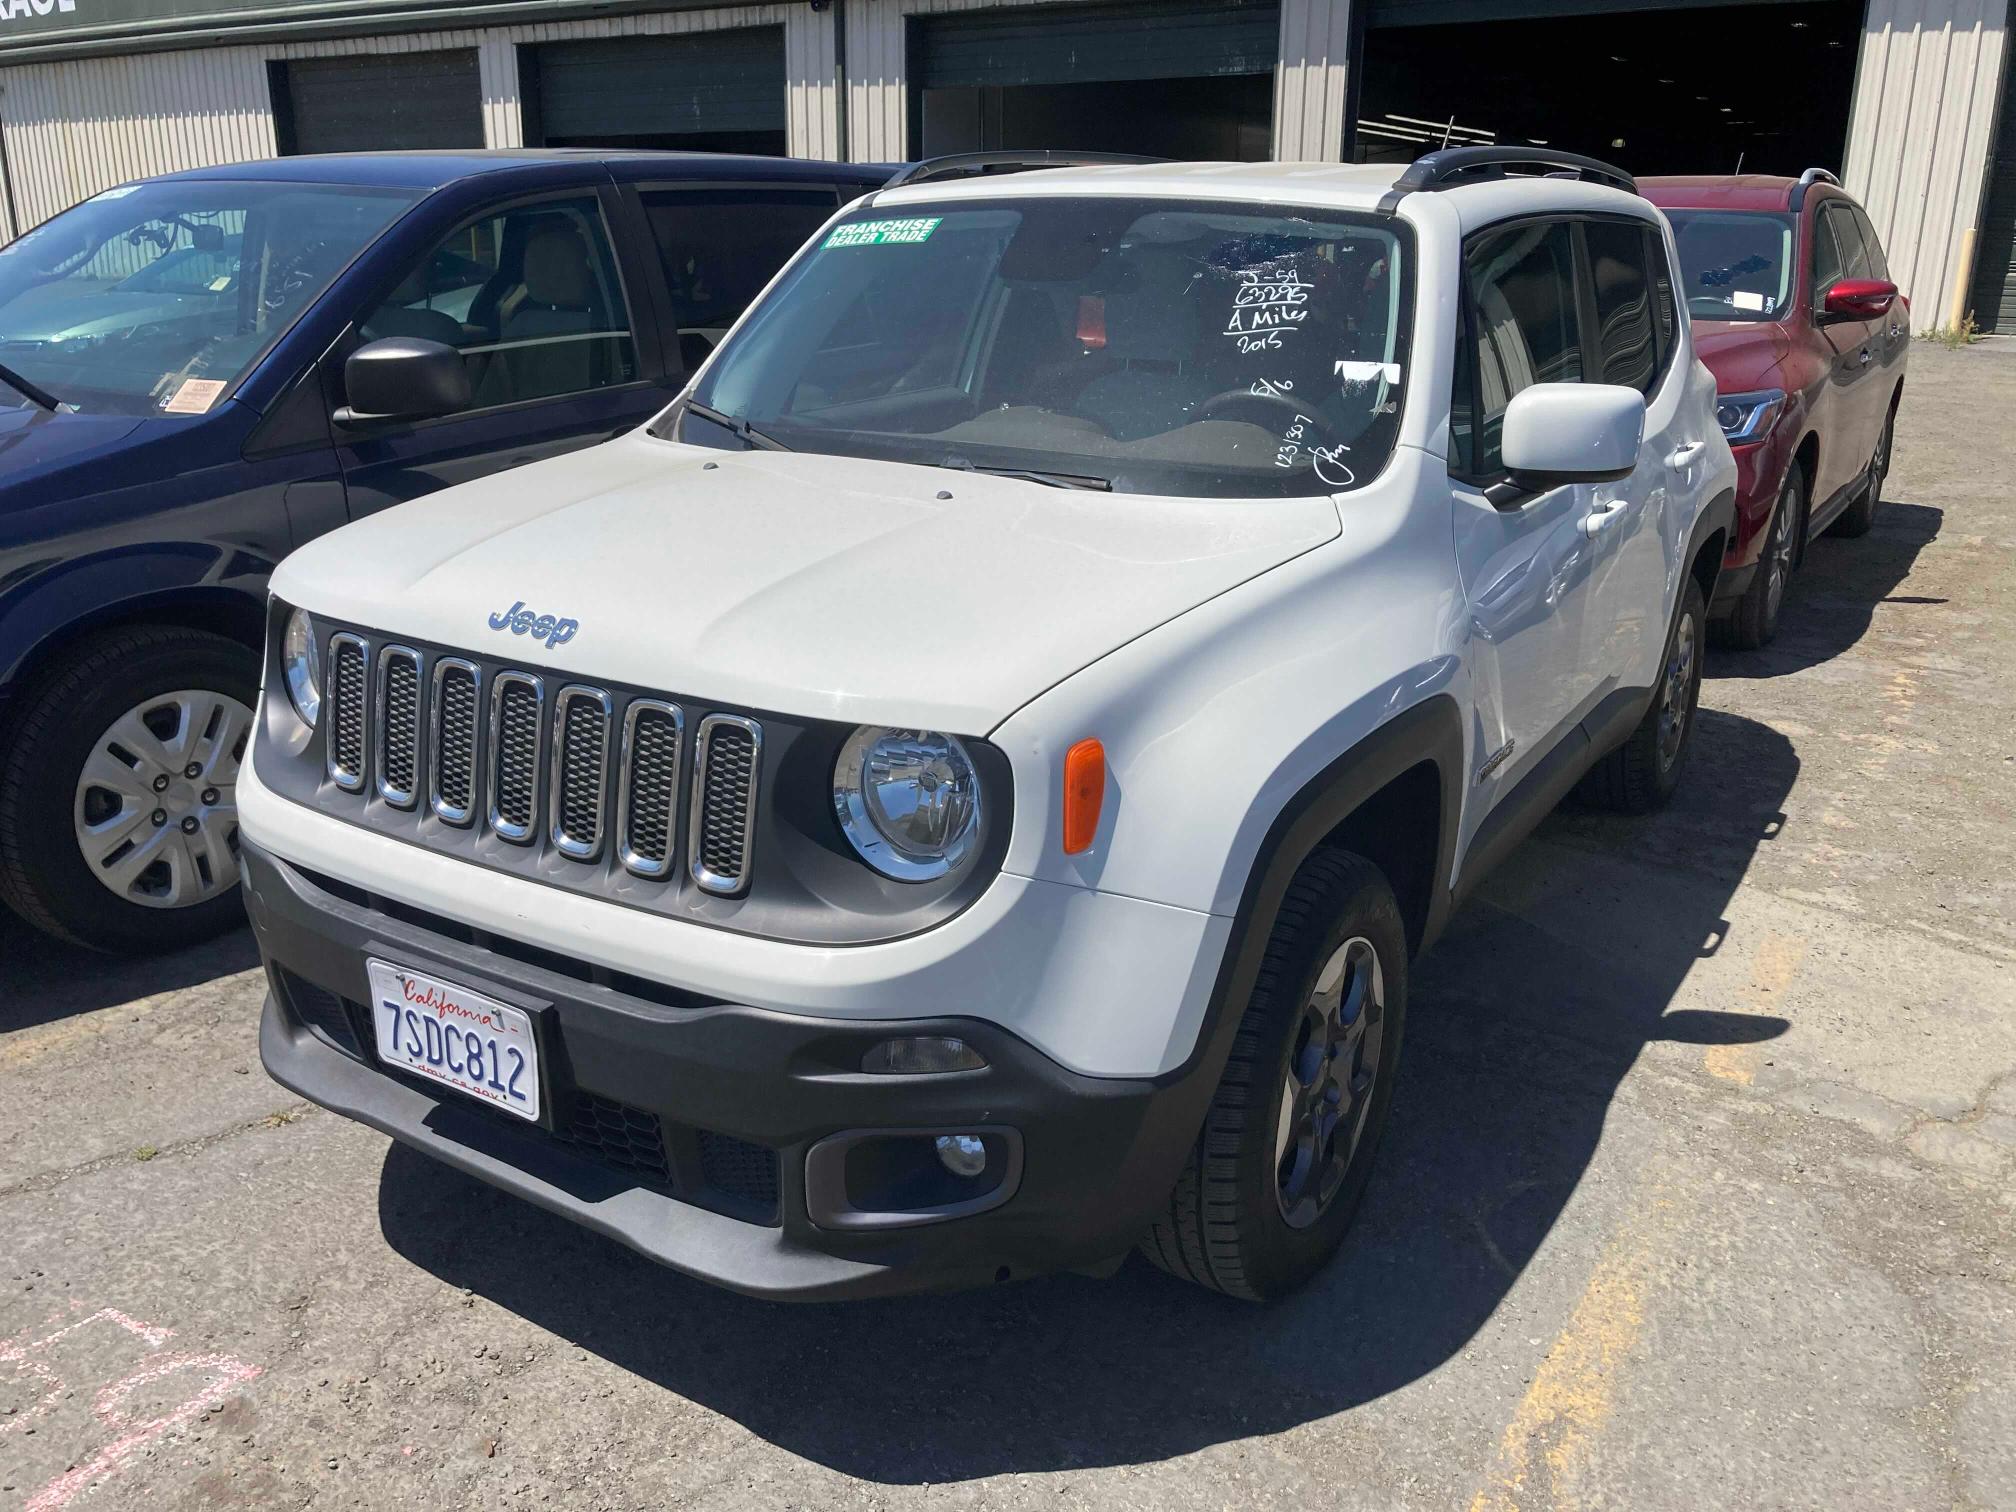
{"x": 224, "y": 1375}
{"x": 18, "y": 1355}
{"x": 227, "y": 1374}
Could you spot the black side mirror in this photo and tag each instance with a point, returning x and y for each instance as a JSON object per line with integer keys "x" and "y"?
{"x": 403, "y": 378}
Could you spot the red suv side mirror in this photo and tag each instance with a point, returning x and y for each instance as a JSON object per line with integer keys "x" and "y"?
{"x": 1860, "y": 298}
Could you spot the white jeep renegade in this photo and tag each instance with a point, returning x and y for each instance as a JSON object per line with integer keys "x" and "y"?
{"x": 956, "y": 797}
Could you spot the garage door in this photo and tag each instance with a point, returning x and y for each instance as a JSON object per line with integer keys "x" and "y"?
{"x": 1994, "y": 301}
{"x": 1097, "y": 44}
{"x": 1443, "y": 12}
{"x": 623, "y": 89}
{"x": 377, "y": 104}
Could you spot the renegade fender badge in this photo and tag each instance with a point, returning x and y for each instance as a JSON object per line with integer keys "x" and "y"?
{"x": 541, "y": 627}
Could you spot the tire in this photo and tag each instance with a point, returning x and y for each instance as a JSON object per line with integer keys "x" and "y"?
{"x": 1641, "y": 774}
{"x": 1755, "y": 620}
{"x": 1858, "y": 517}
{"x": 1234, "y": 1223}
{"x": 157, "y": 684}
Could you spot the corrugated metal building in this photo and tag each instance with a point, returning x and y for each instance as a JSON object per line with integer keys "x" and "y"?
{"x": 1906, "y": 96}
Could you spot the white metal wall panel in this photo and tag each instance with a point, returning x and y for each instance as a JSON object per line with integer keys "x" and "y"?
{"x": 1309, "y": 85}
{"x": 74, "y": 128}
{"x": 1918, "y": 135}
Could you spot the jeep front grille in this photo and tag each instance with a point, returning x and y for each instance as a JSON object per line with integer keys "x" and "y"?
{"x": 453, "y": 718}
{"x": 725, "y": 757}
{"x": 581, "y": 719}
{"x": 557, "y": 774}
{"x": 648, "y": 795}
{"x": 349, "y": 688}
{"x": 399, "y": 725}
{"x": 517, "y": 699}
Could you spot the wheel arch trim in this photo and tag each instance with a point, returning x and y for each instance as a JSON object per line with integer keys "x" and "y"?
{"x": 194, "y": 585}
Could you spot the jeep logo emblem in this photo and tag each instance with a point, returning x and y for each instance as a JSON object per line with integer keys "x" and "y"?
{"x": 541, "y": 627}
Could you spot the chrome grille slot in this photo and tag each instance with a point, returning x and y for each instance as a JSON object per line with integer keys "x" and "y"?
{"x": 349, "y": 710}
{"x": 647, "y": 801}
{"x": 582, "y": 718}
{"x": 452, "y": 724}
{"x": 727, "y": 754}
{"x": 517, "y": 702}
{"x": 398, "y": 726}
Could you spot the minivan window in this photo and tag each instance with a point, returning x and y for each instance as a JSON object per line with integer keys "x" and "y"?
{"x": 720, "y": 246}
{"x": 530, "y": 297}
{"x": 157, "y": 298}
{"x": 1150, "y": 345}
{"x": 1735, "y": 264}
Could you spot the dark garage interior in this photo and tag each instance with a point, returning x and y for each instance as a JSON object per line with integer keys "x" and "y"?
{"x": 1175, "y": 78}
{"x": 1668, "y": 89}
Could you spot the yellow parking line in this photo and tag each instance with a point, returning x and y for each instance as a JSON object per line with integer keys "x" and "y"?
{"x": 1772, "y": 969}
{"x": 1570, "y": 1396}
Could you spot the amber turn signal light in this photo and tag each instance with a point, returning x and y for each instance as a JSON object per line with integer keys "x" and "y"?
{"x": 1084, "y": 792}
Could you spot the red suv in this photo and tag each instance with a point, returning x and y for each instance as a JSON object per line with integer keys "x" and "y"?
{"x": 1795, "y": 315}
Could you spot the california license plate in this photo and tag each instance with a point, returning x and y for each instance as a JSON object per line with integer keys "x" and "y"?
{"x": 461, "y": 1039}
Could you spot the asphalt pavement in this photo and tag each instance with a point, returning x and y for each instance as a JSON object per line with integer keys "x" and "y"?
{"x": 1700, "y": 1190}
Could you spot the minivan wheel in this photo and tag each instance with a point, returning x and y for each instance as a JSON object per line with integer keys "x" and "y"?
{"x": 118, "y": 790}
{"x": 1277, "y": 1173}
{"x": 1755, "y": 620}
{"x": 1641, "y": 774}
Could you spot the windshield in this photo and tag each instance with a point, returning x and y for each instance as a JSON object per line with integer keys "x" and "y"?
{"x": 157, "y": 298}
{"x": 1155, "y": 346}
{"x": 1735, "y": 264}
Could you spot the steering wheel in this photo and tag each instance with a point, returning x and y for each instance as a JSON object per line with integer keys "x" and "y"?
{"x": 1280, "y": 403}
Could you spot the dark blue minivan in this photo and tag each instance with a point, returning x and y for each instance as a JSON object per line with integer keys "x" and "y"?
{"x": 200, "y": 372}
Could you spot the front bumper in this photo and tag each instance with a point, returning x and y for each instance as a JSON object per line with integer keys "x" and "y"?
{"x": 736, "y": 1098}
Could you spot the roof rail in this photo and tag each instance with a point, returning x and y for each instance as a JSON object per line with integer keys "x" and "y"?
{"x": 1451, "y": 166}
{"x": 1007, "y": 162}
{"x": 1807, "y": 180}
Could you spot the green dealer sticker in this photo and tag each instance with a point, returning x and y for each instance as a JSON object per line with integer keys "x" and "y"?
{"x": 883, "y": 232}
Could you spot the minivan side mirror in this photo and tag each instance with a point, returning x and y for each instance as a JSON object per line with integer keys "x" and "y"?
{"x": 1859, "y": 298}
{"x": 1558, "y": 433}
{"x": 403, "y": 378}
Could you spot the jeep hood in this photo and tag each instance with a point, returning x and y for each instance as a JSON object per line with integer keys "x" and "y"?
{"x": 835, "y": 587}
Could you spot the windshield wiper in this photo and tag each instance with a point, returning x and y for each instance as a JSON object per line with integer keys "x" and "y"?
{"x": 1091, "y": 482}
{"x": 741, "y": 429}
{"x": 33, "y": 392}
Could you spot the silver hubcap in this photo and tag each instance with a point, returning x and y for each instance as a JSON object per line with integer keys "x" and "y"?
{"x": 1784, "y": 547}
{"x": 1676, "y": 693}
{"x": 1332, "y": 1065}
{"x": 156, "y": 814}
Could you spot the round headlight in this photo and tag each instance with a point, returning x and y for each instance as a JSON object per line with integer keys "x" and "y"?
{"x": 908, "y": 801}
{"x": 301, "y": 664}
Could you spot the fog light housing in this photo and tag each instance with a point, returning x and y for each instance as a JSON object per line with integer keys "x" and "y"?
{"x": 922, "y": 1055}
{"x": 964, "y": 1155}
{"x": 900, "y": 1178}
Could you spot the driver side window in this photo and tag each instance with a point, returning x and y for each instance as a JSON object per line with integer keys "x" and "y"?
{"x": 529, "y": 296}
{"x": 1523, "y": 326}
{"x": 1826, "y": 258}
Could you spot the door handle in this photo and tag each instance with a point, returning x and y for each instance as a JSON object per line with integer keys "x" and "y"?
{"x": 1606, "y": 513}
{"x": 1684, "y": 456}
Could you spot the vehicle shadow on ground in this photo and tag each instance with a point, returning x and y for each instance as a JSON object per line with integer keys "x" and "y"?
{"x": 1834, "y": 594}
{"x": 1524, "y": 1021}
{"x": 42, "y": 979}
